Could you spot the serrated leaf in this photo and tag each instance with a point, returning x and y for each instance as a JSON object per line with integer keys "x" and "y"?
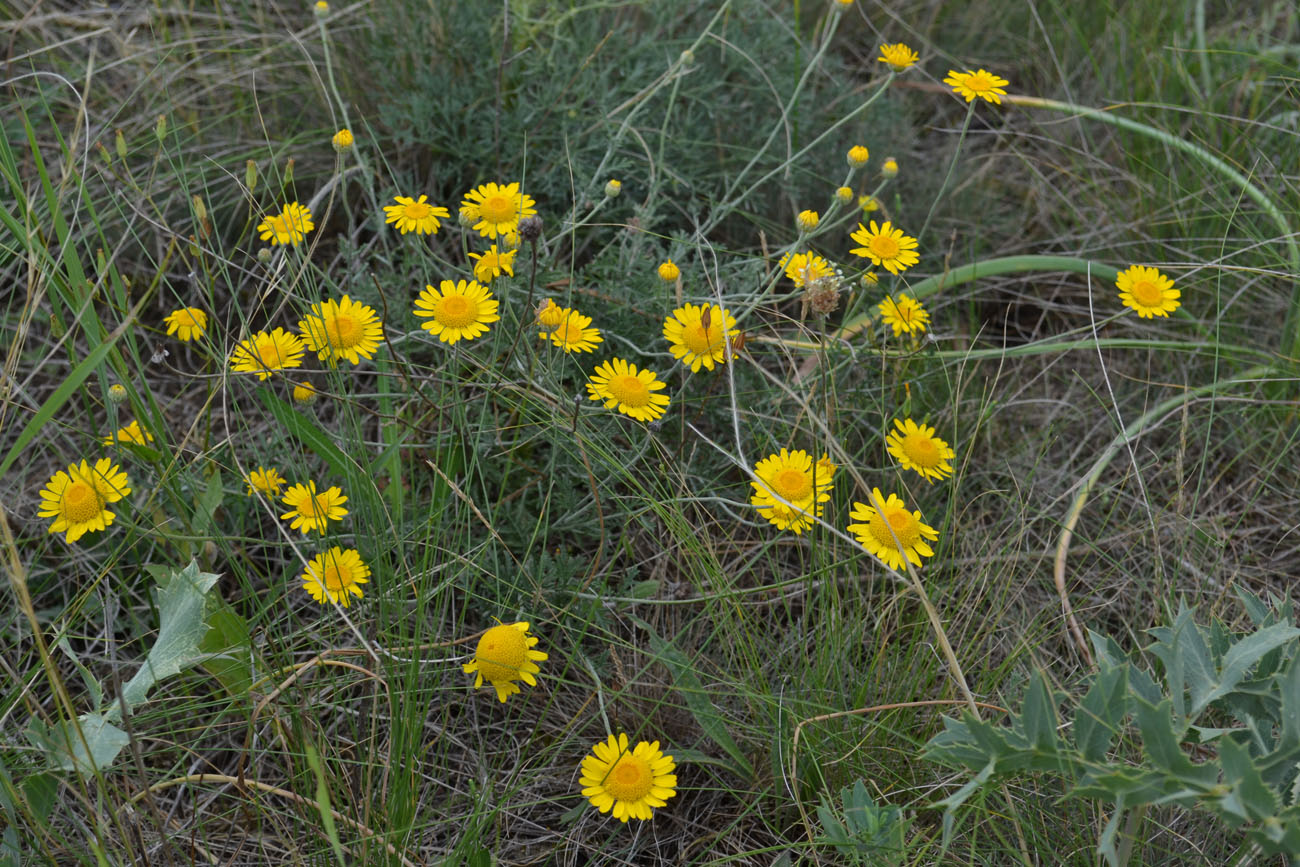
{"x": 1242, "y": 656}
{"x": 1159, "y": 737}
{"x": 1289, "y": 720}
{"x": 1103, "y": 708}
{"x": 1239, "y": 771}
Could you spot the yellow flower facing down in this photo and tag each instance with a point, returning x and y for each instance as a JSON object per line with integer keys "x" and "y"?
{"x": 697, "y": 335}
{"x": 980, "y": 83}
{"x": 343, "y": 141}
{"x": 905, "y": 316}
{"x": 890, "y": 532}
{"x": 289, "y": 226}
{"x": 668, "y": 271}
{"x": 265, "y": 479}
{"x": 187, "y": 324}
{"x": 868, "y": 204}
{"x": 505, "y": 655}
{"x": 344, "y": 330}
{"x": 132, "y": 433}
{"x": 805, "y": 268}
{"x": 265, "y": 352}
{"x": 573, "y": 333}
{"x": 632, "y": 392}
{"x": 629, "y": 781}
{"x": 457, "y": 311}
{"x": 806, "y": 221}
{"x": 916, "y": 447}
{"x": 496, "y": 209}
{"x": 413, "y": 215}
{"x": 1147, "y": 291}
{"x": 492, "y": 264}
{"x": 886, "y": 246}
{"x": 304, "y": 392}
{"x": 794, "y": 478}
{"x": 77, "y": 498}
{"x": 857, "y": 156}
{"x": 336, "y": 575}
{"x": 550, "y": 314}
{"x": 312, "y": 510}
{"x": 899, "y": 56}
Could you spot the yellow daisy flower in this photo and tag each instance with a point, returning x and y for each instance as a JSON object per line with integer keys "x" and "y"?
{"x": 805, "y": 268}
{"x": 857, "y": 156}
{"x": 504, "y": 655}
{"x": 695, "y": 334}
{"x": 1147, "y": 291}
{"x": 899, "y": 56}
{"x": 916, "y": 447}
{"x": 132, "y": 433}
{"x": 342, "y": 330}
{"x": 793, "y": 477}
{"x": 573, "y": 333}
{"x": 263, "y": 353}
{"x": 287, "y": 227}
{"x": 312, "y": 510}
{"x": 265, "y": 479}
{"x": 497, "y": 209}
{"x": 904, "y": 315}
{"x": 632, "y": 392}
{"x": 984, "y": 85}
{"x": 493, "y": 264}
{"x": 630, "y": 782}
{"x": 411, "y": 215}
{"x": 886, "y": 246}
{"x": 77, "y": 499}
{"x": 890, "y": 532}
{"x": 806, "y": 221}
{"x": 187, "y": 324}
{"x": 550, "y": 314}
{"x": 335, "y": 574}
{"x": 457, "y": 311}
{"x": 668, "y": 271}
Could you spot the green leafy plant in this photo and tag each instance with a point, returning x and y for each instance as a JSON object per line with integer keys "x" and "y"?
{"x": 861, "y": 830}
{"x": 1216, "y": 728}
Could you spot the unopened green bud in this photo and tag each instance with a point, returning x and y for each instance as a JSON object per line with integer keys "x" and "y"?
{"x": 288, "y": 172}
{"x": 264, "y": 255}
{"x": 120, "y": 143}
{"x": 117, "y": 393}
{"x": 250, "y": 175}
{"x": 613, "y": 188}
{"x": 160, "y": 129}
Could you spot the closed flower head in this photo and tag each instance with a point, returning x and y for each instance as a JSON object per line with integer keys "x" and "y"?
{"x": 628, "y": 781}
{"x": 412, "y": 215}
{"x": 342, "y": 141}
{"x": 342, "y": 330}
{"x": 77, "y": 499}
{"x": 806, "y": 221}
{"x": 312, "y": 510}
{"x": 457, "y": 311}
{"x": 505, "y": 655}
{"x": 697, "y": 335}
{"x": 619, "y": 385}
{"x": 336, "y": 575}
{"x": 891, "y": 532}
{"x": 857, "y": 156}
{"x": 668, "y": 271}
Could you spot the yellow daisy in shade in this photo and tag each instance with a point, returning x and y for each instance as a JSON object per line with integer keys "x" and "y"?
{"x": 806, "y": 221}
{"x": 886, "y": 246}
{"x": 312, "y": 510}
{"x": 668, "y": 271}
{"x": 632, "y": 392}
{"x": 697, "y": 335}
{"x": 77, "y": 499}
{"x": 906, "y": 315}
{"x": 504, "y": 655}
{"x": 336, "y": 575}
{"x": 342, "y": 330}
{"x": 413, "y": 215}
{"x": 265, "y": 479}
{"x": 304, "y": 392}
{"x": 187, "y": 324}
{"x": 496, "y": 209}
{"x": 898, "y": 56}
{"x": 790, "y": 476}
{"x": 573, "y": 333}
{"x": 804, "y": 268}
{"x": 287, "y": 227}
{"x": 1147, "y": 291}
{"x": 916, "y": 447}
{"x": 265, "y": 352}
{"x": 630, "y": 781}
{"x": 493, "y": 264}
{"x": 550, "y": 314}
{"x": 457, "y": 311}
{"x": 132, "y": 433}
{"x": 984, "y": 85}
{"x": 891, "y": 532}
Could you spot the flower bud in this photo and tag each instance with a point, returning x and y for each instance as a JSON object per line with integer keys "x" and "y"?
{"x": 530, "y": 229}
{"x": 264, "y": 255}
{"x": 160, "y": 128}
{"x": 613, "y": 188}
{"x": 322, "y": 9}
{"x": 669, "y": 272}
{"x": 250, "y": 175}
{"x": 844, "y": 195}
{"x": 120, "y": 144}
{"x": 857, "y": 156}
{"x": 807, "y": 221}
{"x": 117, "y": 393}
{"x": 890, "y": 168}
{"x": 342, "y": 141}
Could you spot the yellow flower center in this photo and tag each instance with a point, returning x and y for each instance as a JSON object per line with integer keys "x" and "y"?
{"x": 792, "y": 484}
{"x": 697, "y": 340}
{"x": 921, "y": 450}
{"x": 456, "y": 311}
{"x": 904, "y": 526}
{"x": 336, "y": 576}
{"x": 629, "y": 390}
{"x": 979, "y": 82}
{"x": 268, "y": 352}
{"x": 630, "y": 779}
{"x": 502, "y": 653}
{"x": 904, "y": 314}
{"x": 317, "y": 507}
{"x": 81, "y": 502}
{"x": 344, "y": 331}
{"x": 416, "y": 210}
{"x": 497, "y": 209}
{"x": 185, "y": 319}
{"x": 1147, "y": 293}
{"x": 883, "y": 246}
{"x": 569, "y": 333}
